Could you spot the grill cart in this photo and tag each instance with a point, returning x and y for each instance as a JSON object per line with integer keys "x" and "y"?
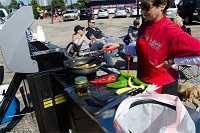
{"x": 26, "y": 58}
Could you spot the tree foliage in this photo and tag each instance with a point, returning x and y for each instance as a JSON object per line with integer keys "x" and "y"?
{"x": 13, "y": 4}
{"x": 58, "y": 4}
{"x": 82, "y": 4}
{"x": 35, "y": 6}
{"x": 1, "y": 6}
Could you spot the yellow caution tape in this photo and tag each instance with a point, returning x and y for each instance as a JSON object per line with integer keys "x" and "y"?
{"x": 60, "y": 99}
{"x": 48, "y": 102}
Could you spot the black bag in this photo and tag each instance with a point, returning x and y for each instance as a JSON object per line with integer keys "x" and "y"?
{"x": 126, "y": 40}
{"x": 71, "y": 50}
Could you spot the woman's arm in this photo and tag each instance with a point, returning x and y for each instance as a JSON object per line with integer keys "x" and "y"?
{"x": 78, "y": 40}
{"x": 131, "y": 36}
{"x": 182, "y": 44}
{"x": 130, "y": 31}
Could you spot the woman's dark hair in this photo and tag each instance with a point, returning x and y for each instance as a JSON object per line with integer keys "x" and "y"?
{"x": 146, "y": 3}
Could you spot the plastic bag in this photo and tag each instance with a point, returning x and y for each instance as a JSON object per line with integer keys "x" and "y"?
{"x": 153, "y": 113}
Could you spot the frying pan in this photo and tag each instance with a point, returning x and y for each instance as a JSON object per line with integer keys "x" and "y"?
{"x": 73, "y": 65}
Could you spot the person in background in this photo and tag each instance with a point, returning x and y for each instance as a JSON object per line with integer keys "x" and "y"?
{"x": 102, "y": 45}
{"x": 132, "y": 32}
{"x": 160, "y": 40}
{"x": 79, "y": 39}
{"x": 99, "y": 42}
{"x": 129, "y": 50}
{"x": 92, "y": 30}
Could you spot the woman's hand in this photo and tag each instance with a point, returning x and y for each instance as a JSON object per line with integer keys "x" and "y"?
{"x": 168, "y": 64}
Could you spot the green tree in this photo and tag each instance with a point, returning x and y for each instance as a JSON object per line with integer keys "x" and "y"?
{"x": 35, "y": 6}
{"x": 13, "y": 4}
{"x": 1, "y": 6}
{"x": 58, "y": 4}
{"x": 82, "y": 4}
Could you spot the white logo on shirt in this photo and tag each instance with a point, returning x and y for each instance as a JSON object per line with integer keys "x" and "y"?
{"x": 153, "y": 43}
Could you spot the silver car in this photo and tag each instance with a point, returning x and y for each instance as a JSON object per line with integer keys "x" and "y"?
{"x": 134, "y": 12}
{"x": 103, "y": 13}
{"x": 70, "y": 15}
{"x": 121, "y": 12}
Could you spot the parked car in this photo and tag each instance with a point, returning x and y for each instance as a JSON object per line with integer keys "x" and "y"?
{"x": 70, "y": 14}
{"x": 121, "y": 12}
{"x": 189, "y": 10}
{"x": 85, "y": 14}
{"x": 172, "y": 11}
{"x": 103, "y": 13}
{"x": 134, "y": 13}
{"x": 95, "y": 11}
{"x": 112, "y": 10}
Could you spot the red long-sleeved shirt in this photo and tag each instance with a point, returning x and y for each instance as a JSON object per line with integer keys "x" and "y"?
{"x": 160, "y": 41}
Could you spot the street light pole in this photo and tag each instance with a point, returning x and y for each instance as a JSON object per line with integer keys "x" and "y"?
{"x": 71, "y": 3}
{"x": 137, "y": 2}
{"x": 52, "y": 13}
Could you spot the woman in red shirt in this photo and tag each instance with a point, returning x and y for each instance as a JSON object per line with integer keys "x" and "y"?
{"x": 160, "y": 40}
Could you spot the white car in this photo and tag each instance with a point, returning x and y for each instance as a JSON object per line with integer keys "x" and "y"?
{"x": 121, "y": 12}
{"x": 172, "y": 11}
{"x": 70, "y": 15}
{"x": 103, "y": 13}
{"x": 134, "y": 12}
{"x": 95, "y": 11}
{"x": 111, "y": 10}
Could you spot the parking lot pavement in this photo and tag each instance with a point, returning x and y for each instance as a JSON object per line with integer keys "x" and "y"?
{"x": 61, "y": 32}
{"x": 195, "y": 30}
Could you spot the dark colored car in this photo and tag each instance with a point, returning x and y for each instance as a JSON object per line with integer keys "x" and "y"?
{"x": 189, "y": 10}
{"x": 85, "y": 14}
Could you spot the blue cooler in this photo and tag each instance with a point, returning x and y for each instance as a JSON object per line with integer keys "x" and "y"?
{"x": 13, "y": 109}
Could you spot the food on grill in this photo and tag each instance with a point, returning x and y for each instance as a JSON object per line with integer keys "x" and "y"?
{"x": 105, "y": 79}
{"x": 120, "y": 83}
{"x": 86, "y": 66}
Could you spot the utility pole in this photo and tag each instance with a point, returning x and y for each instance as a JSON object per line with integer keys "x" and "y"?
{"x": 137, "y": 2}
{"x": 52, "y": 13}
{"x": 71, "y": 3}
